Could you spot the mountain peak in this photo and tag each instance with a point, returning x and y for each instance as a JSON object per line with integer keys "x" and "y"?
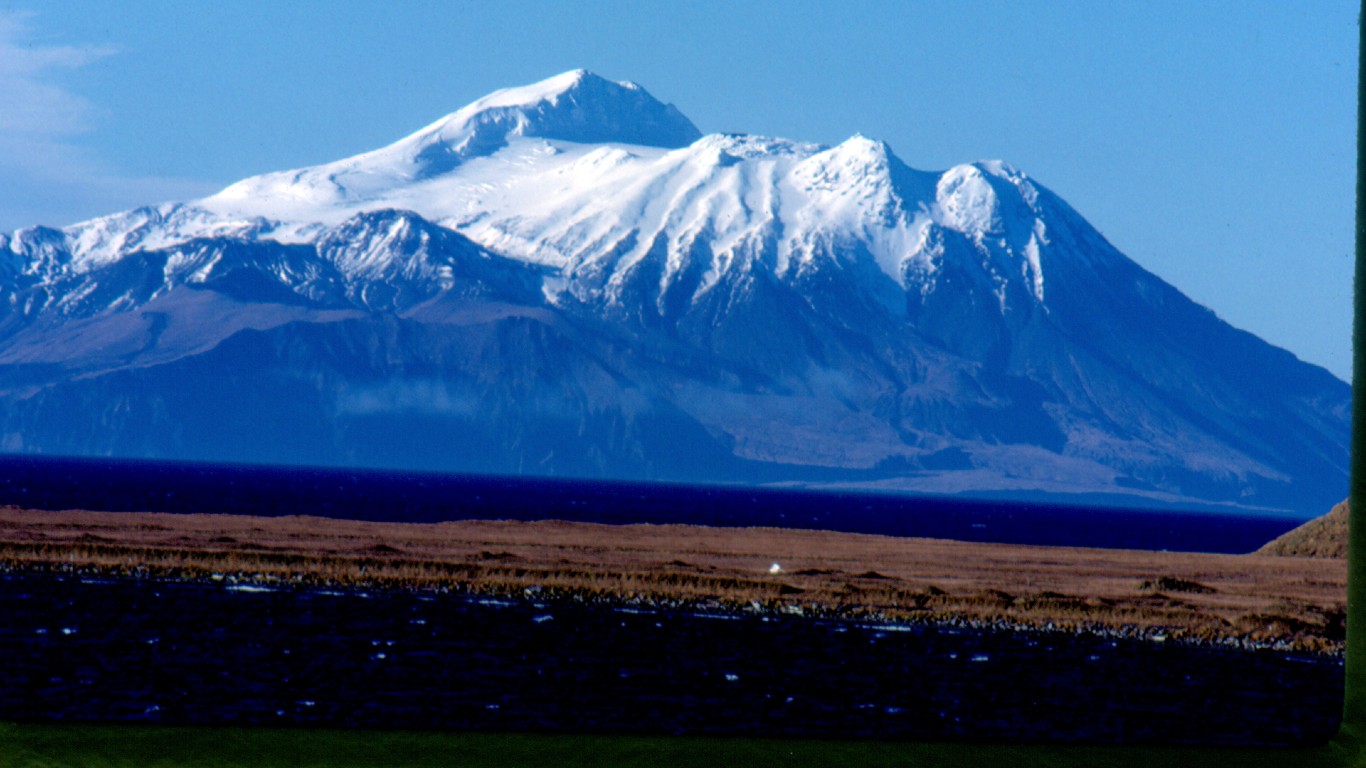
{"x": 576, "y": 106}
{"x": 550, "y": 89}
{"x": 860, "y": 143}
{"x": 860, "y": 151}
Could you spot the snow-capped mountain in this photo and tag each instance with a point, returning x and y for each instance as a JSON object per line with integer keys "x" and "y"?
{"x": 568, "y": 278}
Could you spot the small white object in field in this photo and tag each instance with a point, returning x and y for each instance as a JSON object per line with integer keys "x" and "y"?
{"x": 775, "y": 568}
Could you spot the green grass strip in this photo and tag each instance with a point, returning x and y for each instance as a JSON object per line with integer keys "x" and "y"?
{"x": 59, "y": 746}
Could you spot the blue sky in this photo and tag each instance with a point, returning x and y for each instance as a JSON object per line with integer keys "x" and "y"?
{"x": 1212, "y": 142}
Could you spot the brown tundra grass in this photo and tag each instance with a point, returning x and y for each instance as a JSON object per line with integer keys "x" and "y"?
{"x": 1208, "y": 596}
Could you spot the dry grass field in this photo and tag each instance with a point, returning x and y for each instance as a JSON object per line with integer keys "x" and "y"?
{"x": 1205, "y": 596}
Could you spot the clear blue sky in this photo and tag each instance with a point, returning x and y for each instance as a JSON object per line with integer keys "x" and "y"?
{"x": 1213, "y": 142}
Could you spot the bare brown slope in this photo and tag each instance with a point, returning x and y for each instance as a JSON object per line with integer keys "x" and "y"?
{"x": 1321, "y": 537}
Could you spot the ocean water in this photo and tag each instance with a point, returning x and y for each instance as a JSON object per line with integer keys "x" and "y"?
{"x": 122, "y": 650}
{"x": 124, "y": 485}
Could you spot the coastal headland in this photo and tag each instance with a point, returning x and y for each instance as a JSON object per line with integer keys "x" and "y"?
{"x": 1255, "y": 600}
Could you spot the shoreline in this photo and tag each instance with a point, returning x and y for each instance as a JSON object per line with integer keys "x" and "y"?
{"x": 713, "y": 608}
{"x": 544, "y": 599}
{"x": 1248, "y": 602}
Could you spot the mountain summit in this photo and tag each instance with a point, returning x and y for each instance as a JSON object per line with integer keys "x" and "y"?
{"x": 567, "y": 278}
{"x": 575, "y": 106}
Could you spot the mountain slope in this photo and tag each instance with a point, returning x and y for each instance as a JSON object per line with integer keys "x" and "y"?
{"x": 568, "y": 278}
{"x": 1324, "y": 536}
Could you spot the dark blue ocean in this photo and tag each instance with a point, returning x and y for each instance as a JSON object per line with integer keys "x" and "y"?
{"x": 125, "y": 485}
